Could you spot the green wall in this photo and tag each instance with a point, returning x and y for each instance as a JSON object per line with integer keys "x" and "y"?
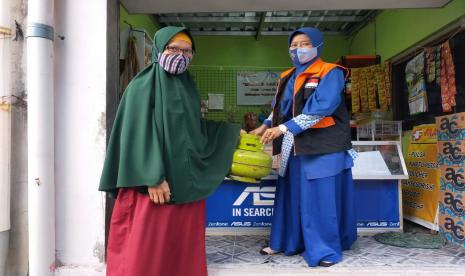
{"x": 233, "y": 53}
{"x": 268, "y": 51}
{"x": 137, "y": 21}
{"x": 397, "y": 30}
{"x": 245, "y": 51}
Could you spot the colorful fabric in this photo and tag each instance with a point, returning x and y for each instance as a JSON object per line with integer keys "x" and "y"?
{"x": 174, "y": 64}
{"x": 288, "y": 142}
{"x": 448, "y": 87}
{"x": 300, "y": 123}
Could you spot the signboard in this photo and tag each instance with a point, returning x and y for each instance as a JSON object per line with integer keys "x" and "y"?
{"x": 377, "y": 204}
{"x": 451, "y": 160}
{"x": 256, "y": 88}
{"x": 237, "y": 205}
{"x": 420, "y": 192}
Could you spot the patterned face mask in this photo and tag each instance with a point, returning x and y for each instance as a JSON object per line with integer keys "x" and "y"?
{"x": 174, "y": 64}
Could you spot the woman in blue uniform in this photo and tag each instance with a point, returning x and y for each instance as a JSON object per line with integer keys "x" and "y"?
{"x": 309, "y": 126}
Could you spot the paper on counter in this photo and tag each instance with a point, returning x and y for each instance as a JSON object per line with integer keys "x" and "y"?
{"x": 370, "y": 163}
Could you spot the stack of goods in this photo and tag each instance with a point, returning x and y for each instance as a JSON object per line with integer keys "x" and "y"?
{"x": 440, "y": 69}
{"x": 363, "y": 90}
{"x": 354, "y": 88}
{"x": 371, "y": 85}
{"x": 433, "y": 64}
{"x": 451, "y": 161}
{"x": 437, "y": 64}
{"x": 387, "y": 78}
{"x": 370, "y": 88}
{"x": 382, "y": 86}
{"x": 448, "y": 88}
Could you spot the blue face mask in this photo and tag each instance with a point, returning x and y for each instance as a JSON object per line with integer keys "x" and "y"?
{"x": 303, "y": 55}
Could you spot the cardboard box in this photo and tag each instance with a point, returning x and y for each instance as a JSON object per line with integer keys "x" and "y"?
{"x": 451, "y": 127}
{"x": 451, "y": 153}
{"x": 452, "y": 229}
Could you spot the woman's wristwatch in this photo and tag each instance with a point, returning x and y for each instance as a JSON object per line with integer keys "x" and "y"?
{"x": 283, "y": 128}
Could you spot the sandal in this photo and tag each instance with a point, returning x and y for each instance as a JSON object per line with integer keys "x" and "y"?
{"x": 268, "y": 251}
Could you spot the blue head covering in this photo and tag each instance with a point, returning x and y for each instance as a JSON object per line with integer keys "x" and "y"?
{"x": 316, "y": 38}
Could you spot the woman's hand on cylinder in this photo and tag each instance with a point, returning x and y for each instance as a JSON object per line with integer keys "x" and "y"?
{"x": 270, "y": 134}
{"x": 259, "y": 131}
{"x": 160, "y": 194}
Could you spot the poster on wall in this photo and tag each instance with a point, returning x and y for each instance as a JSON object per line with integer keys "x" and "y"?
{"x": 420, "y": 192}
{"x": 451, "y": 160}
{"x": 256, "y": 87}
{"x": 416, "y": 85}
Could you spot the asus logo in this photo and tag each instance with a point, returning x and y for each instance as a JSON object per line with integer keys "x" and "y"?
{"x": 263, "y": 196}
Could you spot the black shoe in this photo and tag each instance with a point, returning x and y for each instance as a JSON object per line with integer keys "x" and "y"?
{"x": 326, "y": 264}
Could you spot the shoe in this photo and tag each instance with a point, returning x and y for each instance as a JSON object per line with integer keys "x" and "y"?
{"x": 326, "y": 264}
{"x": 268, "y": 251}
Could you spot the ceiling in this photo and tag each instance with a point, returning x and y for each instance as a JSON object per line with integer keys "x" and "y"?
{"x": 183, "y": 6}
{"x": 268, "y": 23}
{"x": 271, "y": 17}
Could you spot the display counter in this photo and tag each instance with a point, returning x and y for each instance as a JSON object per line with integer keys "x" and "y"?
{"x": 245, "y": 208}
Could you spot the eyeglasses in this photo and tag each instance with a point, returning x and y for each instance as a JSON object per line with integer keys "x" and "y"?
{"x": 174, "y": 50}
{"x": 304, "y": 44}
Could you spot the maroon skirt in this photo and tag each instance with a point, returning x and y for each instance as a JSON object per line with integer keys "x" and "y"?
{"x": 149, "y": 239}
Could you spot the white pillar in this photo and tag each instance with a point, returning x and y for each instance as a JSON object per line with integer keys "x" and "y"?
{"x": 5, "y": 131}
{"x": 40, "y": 89}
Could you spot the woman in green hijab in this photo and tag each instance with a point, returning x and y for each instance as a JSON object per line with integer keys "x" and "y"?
{"x": 162, "y": 161}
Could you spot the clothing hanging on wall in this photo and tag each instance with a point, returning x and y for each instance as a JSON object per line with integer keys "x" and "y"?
{"x": 448, "y": 88}
{"x": 131, "y": 66}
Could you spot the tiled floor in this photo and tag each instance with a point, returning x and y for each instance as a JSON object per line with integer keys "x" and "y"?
{"x": 366, "y": 252}
{"x": 231, "y": 253}
{"x": 238, "y": 255}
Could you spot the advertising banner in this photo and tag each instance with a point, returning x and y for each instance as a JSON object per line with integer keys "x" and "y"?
{"x": 236, "y": 205}
{"x": 420, "y": 192}
{"x": 451, "y": 160}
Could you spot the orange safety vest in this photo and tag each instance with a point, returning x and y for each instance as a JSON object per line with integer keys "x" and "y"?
{"x": 316, "y": 69}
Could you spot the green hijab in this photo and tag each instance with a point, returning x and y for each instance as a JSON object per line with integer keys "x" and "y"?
{"x": 159, "y": 134}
